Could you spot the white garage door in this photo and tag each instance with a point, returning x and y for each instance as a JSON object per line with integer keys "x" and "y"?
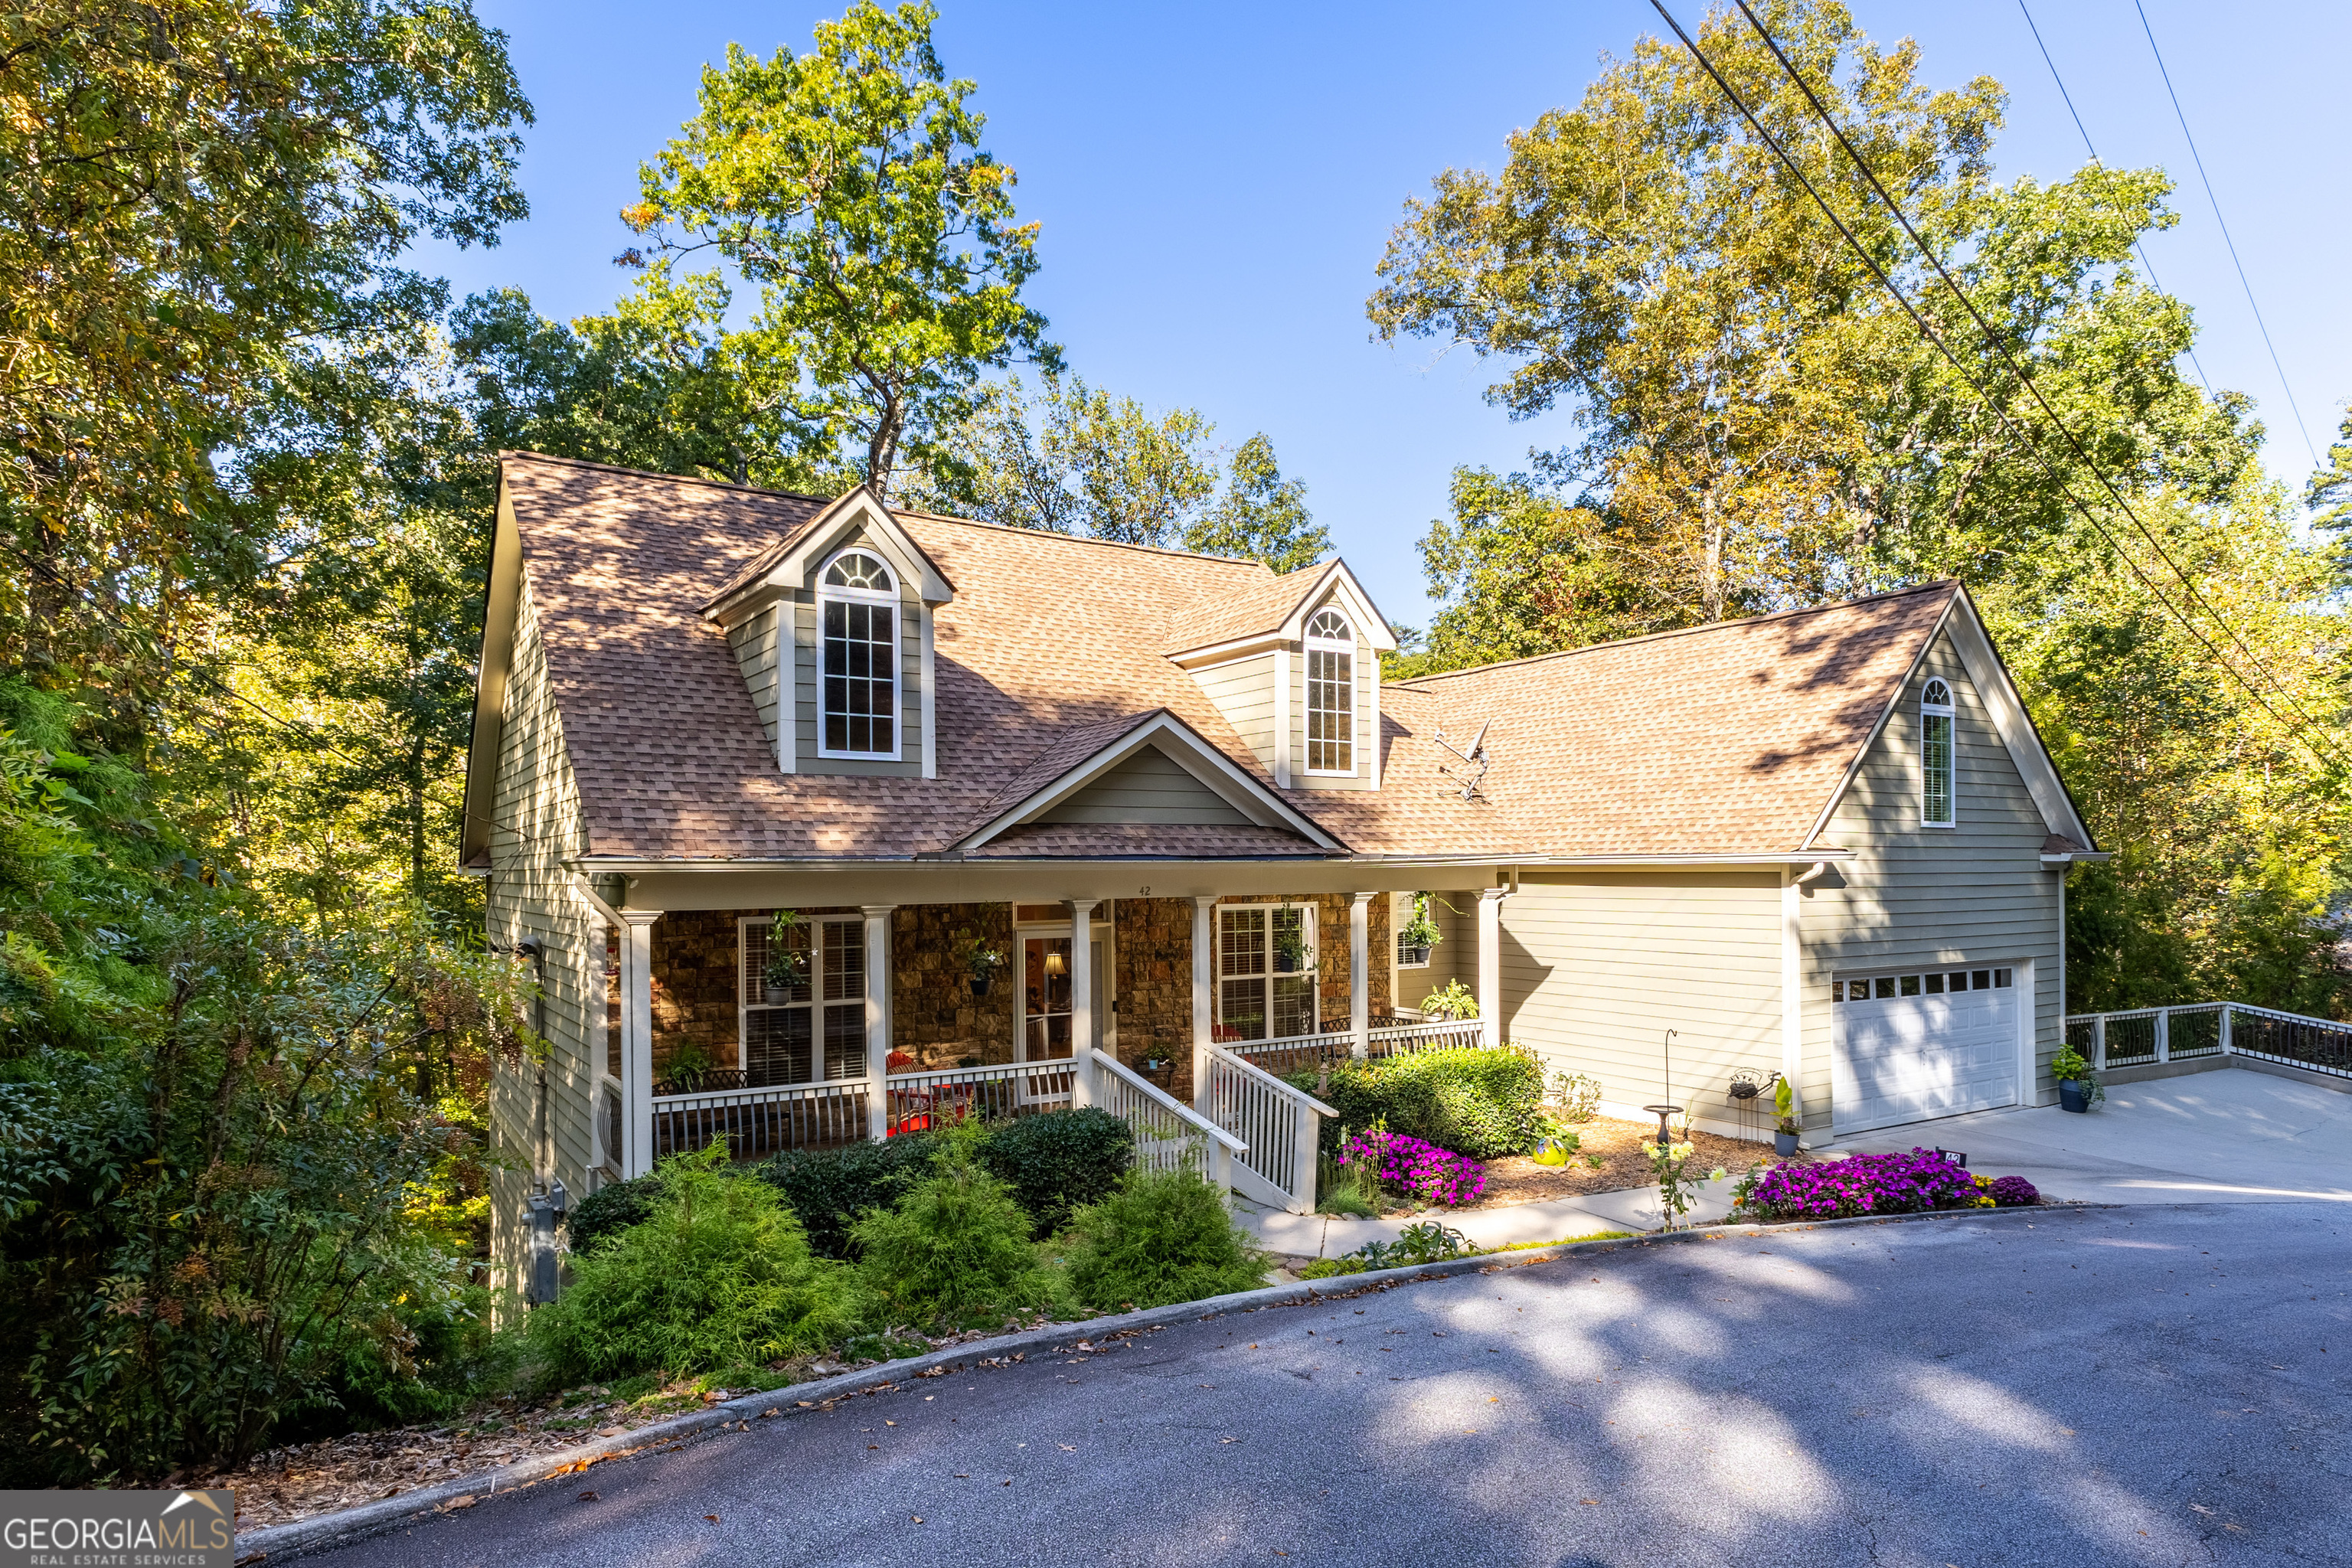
{"x": 1909, "y": 1047}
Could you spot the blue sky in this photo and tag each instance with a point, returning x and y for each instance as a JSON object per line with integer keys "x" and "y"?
{"x": 1216, "y": 180}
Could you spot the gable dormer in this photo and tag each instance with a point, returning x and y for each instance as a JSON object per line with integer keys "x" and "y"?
{"x": 1294, "y": 665}
{"x": 831, "y": 626}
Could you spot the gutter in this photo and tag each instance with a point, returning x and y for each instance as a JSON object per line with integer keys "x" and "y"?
{"x": 2064, "y": 858}
{"x": 634, "y": 868}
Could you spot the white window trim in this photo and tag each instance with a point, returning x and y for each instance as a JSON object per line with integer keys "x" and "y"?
{"x": 1310, "y": 926}
{"x": 832, "y": 593}
{"x": 1947, "y": 710}
{"x": 745, "y": 1006}
{"x": 1345, "y": 644}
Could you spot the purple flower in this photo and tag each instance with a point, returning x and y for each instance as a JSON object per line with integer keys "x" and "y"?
{"x": 1437, "y": 1175}
{"x": 2013, "y": 1192}
{"x": 1866, "y": 1183}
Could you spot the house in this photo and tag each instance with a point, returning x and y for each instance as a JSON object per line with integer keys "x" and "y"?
{"x": 1174, "y": 795}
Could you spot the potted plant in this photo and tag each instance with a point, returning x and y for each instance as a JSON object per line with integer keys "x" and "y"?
{"x": 1454, "y": 1001}
{"x": 787, "y": 968}
{"x": 1289, "y": 947}
{"x": 686, "y": 1067}
{"x": 1786, "y": 1131}
{"x": 2077, "y": 1090}
{"x": 1420, "y": 933}
{"x": 979, "y": 961}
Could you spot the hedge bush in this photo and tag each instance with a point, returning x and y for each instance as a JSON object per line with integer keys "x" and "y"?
{"x": 1059, "y": 1162}
{"x": 610, "y": 1210}
{"x": 955, "y": 1250}
{"x": 829, "y": 1189}
{"x": 719, "y": 1275}
{"x": 1482, "y": 1101}
{"x": 1161, "y": 1236}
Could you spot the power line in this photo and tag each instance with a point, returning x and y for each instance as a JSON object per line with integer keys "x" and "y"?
{"x": 1993, "y": 340}
{"x": 1935, "y": 337}
{"x": 2243, "y": 282}
{"x": 2138, "y": 248}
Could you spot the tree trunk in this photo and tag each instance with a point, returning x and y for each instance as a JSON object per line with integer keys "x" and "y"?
{"x": 1710, "y": 565}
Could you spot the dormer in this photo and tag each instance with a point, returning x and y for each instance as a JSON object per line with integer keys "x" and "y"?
{"x": 1294, "y": 665}
{"x": 831, "y": 626}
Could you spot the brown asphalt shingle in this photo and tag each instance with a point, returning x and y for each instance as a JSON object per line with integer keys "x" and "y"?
{"x": 1721, "y": 740}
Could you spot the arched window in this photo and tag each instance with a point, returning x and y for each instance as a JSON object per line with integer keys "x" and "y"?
{"x": 1936, "y": 716}
{"x": 857, "y": 605}
{"x": 1331, "y": 694}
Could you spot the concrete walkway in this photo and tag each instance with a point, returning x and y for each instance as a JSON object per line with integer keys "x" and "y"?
{"x": 1558, "y": 1219}
{"x": 2230, "y": 1136}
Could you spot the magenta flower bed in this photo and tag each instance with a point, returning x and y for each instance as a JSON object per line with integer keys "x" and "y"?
{"x": 1436, "y": 1175}
{"x": 1866, "y": 1183}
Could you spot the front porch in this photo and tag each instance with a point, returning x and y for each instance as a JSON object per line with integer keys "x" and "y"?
{"x": 1181, "y": 1015}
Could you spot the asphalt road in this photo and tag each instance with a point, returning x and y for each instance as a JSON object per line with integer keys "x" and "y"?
{"x": 2143, "y": 1385}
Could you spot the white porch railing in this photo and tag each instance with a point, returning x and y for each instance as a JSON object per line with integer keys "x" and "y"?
{"x": 1305, "y": 1053}
{"x": 764, "y": 1121}
{"x": 1169, "y": 1135}
{"x": 1428, "y": 1034}
{"x": 1279, "y": 1124}
{"x": 2145, "y": 1036}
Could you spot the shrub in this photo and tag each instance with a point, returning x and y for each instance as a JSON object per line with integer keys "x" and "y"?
{"x": 1866, "y": 1183}
{"x": 719, "y": 1276}
{"x": 830, "y": 1189}
{"x": 1432, "y": 1174}
{"x": 610, "y": 1210}
{"x": 2013, "y": 1191}
{"x": 955, "y": 1249}
{"x": 1161, "y": 1236}
{"x": 1058, "y": 1162}
{"x": 1484, "y": 1101}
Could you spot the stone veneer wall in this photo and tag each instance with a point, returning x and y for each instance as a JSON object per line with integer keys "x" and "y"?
{"x": 934, "y": 1016}
{"x": 1153, "y": 976}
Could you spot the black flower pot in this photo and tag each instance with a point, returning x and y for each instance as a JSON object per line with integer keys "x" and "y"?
{"x": 1784, "y": 1144}
{"x": 2074, "y": 1095}
{"x": 1285, "y": 965}
{"x": 980, "y": 984}
{"x": 1413, "y": 955}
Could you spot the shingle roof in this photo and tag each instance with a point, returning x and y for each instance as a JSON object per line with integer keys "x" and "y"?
{"x": 1245, "y": 611}
{"x": 1727, "y": 738}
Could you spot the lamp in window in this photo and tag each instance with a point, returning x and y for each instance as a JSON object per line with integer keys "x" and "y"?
{"x": 1056, "y": 966}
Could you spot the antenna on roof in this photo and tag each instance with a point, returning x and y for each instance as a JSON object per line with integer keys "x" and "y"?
{"x": 1475, "y": 763}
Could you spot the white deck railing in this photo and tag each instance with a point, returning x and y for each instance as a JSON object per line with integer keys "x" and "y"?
{"x": 1305, "y": 1053}
{"x": 1170, "y": 1135}
{"x": 763, "y": 1121}
{"x": 1428, "y": 1034}
{"x": 1279, "y": 1124}
{"x": 2147, "y": 1036}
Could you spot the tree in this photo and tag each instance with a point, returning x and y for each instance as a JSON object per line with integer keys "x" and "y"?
{"x": 1761, "y": 422}
{"x": 1077, "y": 459}
{"x": 849, "y": 185}
{"x": 191, "y": 190}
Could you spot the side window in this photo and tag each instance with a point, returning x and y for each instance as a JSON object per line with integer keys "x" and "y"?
{"x": 1935, "y": 718}
{"x": 1265, "y": 971}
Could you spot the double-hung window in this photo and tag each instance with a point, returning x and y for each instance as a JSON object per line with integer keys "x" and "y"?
{"x": 857, "y": 606}
{"x": 1265, "y": 971}
{"x": 815, "y": 1031}
{"x": 1935, "y": 718}
{"x": 1331, "y": 694}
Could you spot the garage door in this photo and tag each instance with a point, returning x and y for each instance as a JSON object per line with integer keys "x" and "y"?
{"x": 1912, "y": 1046}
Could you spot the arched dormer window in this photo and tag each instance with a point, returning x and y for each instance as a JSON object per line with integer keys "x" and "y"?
{"x": 857, "y": 604}
{"x": 1936, "y": 770}
{"x": 1331, "y": 694}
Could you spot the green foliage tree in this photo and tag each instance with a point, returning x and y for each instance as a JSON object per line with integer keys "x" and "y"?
{"x": 955, "y": 1249}
{"x": 1163, "y": 1236}
{"x": 849, "y": 185}
{"x": 1075, "y": 459}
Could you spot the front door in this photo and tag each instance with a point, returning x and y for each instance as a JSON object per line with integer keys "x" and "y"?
{"x": 1044, "y": 998}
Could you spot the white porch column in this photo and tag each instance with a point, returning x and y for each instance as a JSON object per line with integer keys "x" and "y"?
{"x": 1490, "y": 964}
{"x": 638, "y": 1040}
{"x": 1204, "y": 994}
{"x": 1081, "y": 1000}
{"x": 1360, "y": 973}
{"x": 878, "y": 1018}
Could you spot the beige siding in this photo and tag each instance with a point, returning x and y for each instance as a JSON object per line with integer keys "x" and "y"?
{"x": 1597, "y": 967}
{"x": 754, "y": 642}
{"x": 529, "y": 894}
{"x": 1974, "y": 893}
{"x": 1243, "y": 693}
{"x": 807, "y": 635}
{"x": 1148, "y": 787}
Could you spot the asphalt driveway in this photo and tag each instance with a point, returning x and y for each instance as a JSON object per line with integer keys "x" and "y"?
{"x": 2234, "y": 1135}
{"x": 2149, "y": 1385}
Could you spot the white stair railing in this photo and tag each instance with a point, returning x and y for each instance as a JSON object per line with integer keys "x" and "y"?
{"x": 1281, "y": 1126}
{"x": 1170, "y": 1135}
{"x": 2141, "y": 1037}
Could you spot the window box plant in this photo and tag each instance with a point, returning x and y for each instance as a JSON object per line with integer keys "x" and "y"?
{"x": 1419, "y": 935}
{"x": 1785, "y": 1130}
{"x": 787, "y": 968}
{"x": 979, "y": 961}
{"x": 2077, "y": 1090}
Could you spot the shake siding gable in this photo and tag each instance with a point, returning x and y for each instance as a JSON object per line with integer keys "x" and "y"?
{"x": 537, "y": 824}
{"x": 1974, "y": 893}
{"x": 1149, "y": 786}
{"x": 1598, "y": 966}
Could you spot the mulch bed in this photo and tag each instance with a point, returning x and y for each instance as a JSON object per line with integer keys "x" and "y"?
{"x": 1618, "y": 1146}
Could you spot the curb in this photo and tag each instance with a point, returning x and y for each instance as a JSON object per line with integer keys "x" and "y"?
{"x": 374, "y": 1518}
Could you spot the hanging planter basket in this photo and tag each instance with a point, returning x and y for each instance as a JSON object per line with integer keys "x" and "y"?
{"x": 1413, "y": 953}
{"x": 980, "y": 984}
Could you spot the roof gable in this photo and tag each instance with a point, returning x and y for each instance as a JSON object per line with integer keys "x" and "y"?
{"x": 789, "y": 562}
{"x": 1273, "y": 609}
